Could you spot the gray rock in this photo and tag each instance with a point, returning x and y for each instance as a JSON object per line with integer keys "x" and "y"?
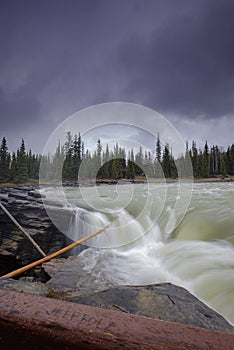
{"x": 164, "y": 302}
{"x": 35, "y": 288}
{"x": 19, "y": 195}
{"x": 32, "y": 216}
{"x": 69, "y": 281}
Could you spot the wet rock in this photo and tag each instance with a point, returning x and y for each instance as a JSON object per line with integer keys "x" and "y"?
{"x": 164, "y": 301}
{"x": 69, "y": 276}
{"x": 69, "y": 281}
{"x": 24, "y": 188}
{"x": 18, "y": 195}
{"x": 35, "y": 194}
{"x": 35, "y": 288}
{"x": 32, "y": 216}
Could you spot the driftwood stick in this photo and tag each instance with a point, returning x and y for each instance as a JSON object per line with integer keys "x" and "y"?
{"x": 49, "y": 257}
{"x": 22, "y": 230}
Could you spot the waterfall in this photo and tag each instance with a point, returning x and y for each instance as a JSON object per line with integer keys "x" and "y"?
{"x": 143, "y": 245}
{"x": 123, "y": 229}
{"x": 137, "y": 257}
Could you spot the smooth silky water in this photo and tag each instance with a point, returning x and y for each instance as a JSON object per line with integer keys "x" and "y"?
{"x": 143, "y": 246}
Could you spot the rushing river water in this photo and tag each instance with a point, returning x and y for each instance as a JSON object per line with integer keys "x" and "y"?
{"x": 150, "y": 239}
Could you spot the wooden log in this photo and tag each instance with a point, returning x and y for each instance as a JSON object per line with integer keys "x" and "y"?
{"x": 33, "y": 322}
{"x": 54, "y": 255}
{"x": 22, "y": 230}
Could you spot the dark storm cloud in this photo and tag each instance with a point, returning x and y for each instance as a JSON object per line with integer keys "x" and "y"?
{"x": 59, "y": 56}
{"x": 12, "y": 107}
{"x": 187, "y": 65}
{"x": 44, "y": 57}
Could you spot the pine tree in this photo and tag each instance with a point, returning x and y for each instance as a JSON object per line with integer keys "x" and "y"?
{"x": 76, "y": 154}
{"x": 194, "y": 159}
{"x": 13, "y": 167}
{"x": 205, "y": 161}
{"x": 122, "y": 160}
{"x": 57, "y": 162}
{"x": 158, "y": 149}
{"x": 139, "y": 163}
{"x": 232, "y": 160}
{"x": 99, "y": 154}
{"x": 115, "y": 169}
{"x": 106, "y": 168}
{"x": 4, "y": 161}
{"x": 166, "y": 166}
{"x": 68, "y": 165}
{"x": 97, "y": 160}
{"x": 148, "y": 169}
{"x": 222, "y": 166}
{"x": 130, "y": 171}
{"x": 22, "y": 166}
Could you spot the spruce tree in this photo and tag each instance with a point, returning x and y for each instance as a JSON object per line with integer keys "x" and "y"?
{"x": 158, "y": 149}
{"x": 130, "y": 170}
{"x": 232, "y": 160}
{"x": 76, "y": 155}
{"x": 139, "y": 163}
{"x": 115, "y": 169}
{"x": 222, "y": 166}
{"x": 4, "y": 161}
{"x": 13, "y": 168}
{"x": 22, "y": 166}
{"x": 205, "y": 161}
{"x": 99, "y": 154}
{"x": 57, "y": 162}
{"x": 68, "y": 169}
{"x": 194, "y": 159}
{"x": 106, "y": 168}
{"x": 166, "y": 166}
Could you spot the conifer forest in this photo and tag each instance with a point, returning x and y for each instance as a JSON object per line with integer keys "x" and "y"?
{"x": 22, "y": 165}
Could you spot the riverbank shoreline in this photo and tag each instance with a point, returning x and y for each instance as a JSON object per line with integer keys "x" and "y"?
{"x": 141, "y": 180}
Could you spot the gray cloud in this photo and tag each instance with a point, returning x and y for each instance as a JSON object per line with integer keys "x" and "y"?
{"x": 187, "y": 66}
{"x": 58, "y": 57}
{"x": 12, "y": 107}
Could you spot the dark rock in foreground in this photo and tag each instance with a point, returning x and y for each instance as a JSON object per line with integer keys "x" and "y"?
{"x": 164, "y": 302}
{"x": 26, "y": 206}
{"x": 35, "y": 288}
{"x": 160, "y": 301}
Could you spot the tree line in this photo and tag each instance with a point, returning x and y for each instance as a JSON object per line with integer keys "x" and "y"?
{"x": 116, "y": 163}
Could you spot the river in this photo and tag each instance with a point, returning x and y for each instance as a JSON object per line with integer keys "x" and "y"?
{"x": 156, "y": 234}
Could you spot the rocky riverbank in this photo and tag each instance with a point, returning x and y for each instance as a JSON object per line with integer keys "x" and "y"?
{"x": 25, "y": 204}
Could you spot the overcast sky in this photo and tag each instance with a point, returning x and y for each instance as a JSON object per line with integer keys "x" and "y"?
{"x": 59, "y": 56}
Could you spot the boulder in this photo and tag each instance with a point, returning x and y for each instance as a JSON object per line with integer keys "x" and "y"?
{"x": 15, "y": 249}
{"x": 35, "y": 288}
{"x": 69, "y": 281}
